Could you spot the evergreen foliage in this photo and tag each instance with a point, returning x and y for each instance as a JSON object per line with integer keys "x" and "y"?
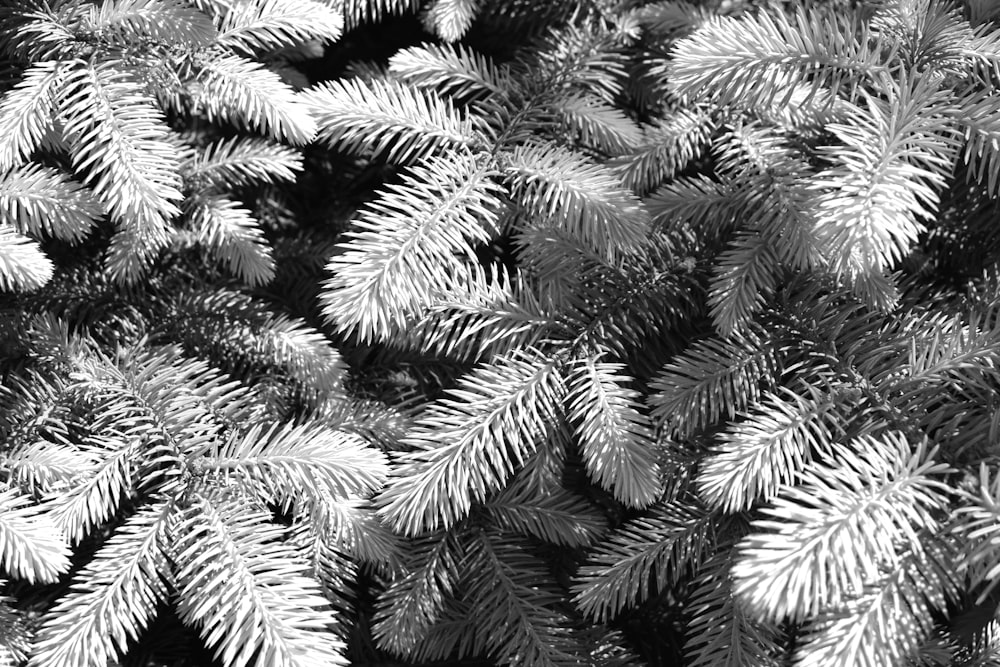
{"x": 498, "y": 332}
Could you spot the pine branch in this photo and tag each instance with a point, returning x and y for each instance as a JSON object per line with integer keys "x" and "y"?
{"x": 303, "y": 352}
{"x": 357, "y": 12}
{"x": 515, "y": 616}
{"x": 240, "y": 161}
{"x": 386, "y": 117}
{"x": 887, "y": 622}
{"x": 984, "y": 649}
{"x": 243, "y": 92}
{"x": 450, "y": 19}
{"x": 894, "y": 155}
{"x": 158, "y": 403}
{"x": 37, "y": 200}
{"x": 118, "y": 138}
{"x": 642, "y": 557}
{"x": 720, "y": 632}
{"x": 469, "y": 443}
{"x": 112, "y": 599}
{"x": 232, "y": 233}
{"x": 15, "y": 634}
{"x": 42, "y": 467}
{"x": 775, "y": 200}
{"x": 616, "y": 439}
{"x": 477, "y": 331}
{"x": 699, "y": 202}
{"x": 944, "y": 36}
{"x": 598, "y": 125}
{"x": 351, "y": 526}
{"x": 268, "y": 25}
{"x": 23, "y": 265}
{"x": 31, "y": 545}
{"x": 833, "y": 533}
{"x": 940, "y": 351}
{"x": 979, "y": 117}
{"x": 290, "y": 463}
{"x": 27, "y": 110}
{"x": 553, "y": 515}
{"x": 555, "y": 264}
{"x": 38, "y": 32}
{"x": 171, "y": 22}
{"x": 412, "y": 246}
{"x": 577, "y": 57}
{"x": 669, "y": 19}
{"x": 544, "y": 470}
{"x": 977, "y": 522}
{"x": 577, "y": 196}
{"x": 453, "y": 637}
{"x": 410, "y": 605}
{"x": 757, "y": 456}
{"x": 242, "y": 334}
{"x": 713, "y": 380}
{"x": 756, "y": 60}
{"x": 332, "y": 569}
{"x": 380, "y": 424}
{"x": 451, "y": 70}
{"x": 663, "y": 149}
{"x": 745, "y": 275}
{"x": 95, "y": 495}
{"x": 246, "y": 592}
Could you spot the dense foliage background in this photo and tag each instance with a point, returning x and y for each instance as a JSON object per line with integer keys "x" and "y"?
{"x": 473, "y": 332}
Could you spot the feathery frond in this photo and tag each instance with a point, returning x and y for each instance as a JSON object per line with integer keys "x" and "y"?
{"x": 241, "y": 161}
{"x": 243, "y": 92}
{"x": 31, "y": 546}
{"x": 413, "y": 602}
{"x": 713, "y": 379}
{"x": 113, "y": 599}
{"x": 118, "y": 138}
{"x": 616, "y": 439}
{"x": 663, "y": 149}
{"x": 23, "y": 265}
{"x": 232, "y": 233}
{"x": 745, "y": 276}
{"x": 599, "y": 125}
{"x": 384, "y": 116}
{"x": 888, "y": 621}
{"x": 558, "y": 516}
{"x": 756, "y": 59}
{"x": 642, "y": 556}
{"x": 879, "y": 497}
{"x": 677, "y": 315}
{"x": 413, "y": 246}
{"x": 246, "y": 592}
{"x": 37, "y": 200}
{"x": 515, "y": 617}
{"x": 469, "y": 443}
{"x": 357, "y": 12}
{"x": 893, "y": 155}
{"x": 292, "y": 463}
{"x": 452, "y": 70}
{"x": 758, "y": 455}
{"x": 450, "y": 19}
{"x": 721, "y": 633}
{"x": 268, "y": 25}
{"x": 27, "y": 110}
{"x": 168, "y": 21}
{"x": 577, "y": 196}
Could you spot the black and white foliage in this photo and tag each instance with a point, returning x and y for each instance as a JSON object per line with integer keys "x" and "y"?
{"x": 650, "y": 333}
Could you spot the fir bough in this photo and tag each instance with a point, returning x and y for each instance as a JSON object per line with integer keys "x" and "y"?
{"x": 650, "y": 333}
